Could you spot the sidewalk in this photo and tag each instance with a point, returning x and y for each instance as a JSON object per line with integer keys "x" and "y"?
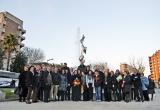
{"x": 70, "y": 105}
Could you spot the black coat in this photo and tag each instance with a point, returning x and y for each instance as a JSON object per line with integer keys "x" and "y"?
{"x": 127, "y": 80}
{"x": 82, "y": 68}
{"x": 69, "y": 78}
{"x": 151, "y": 84}
{"x": 108, "y": 82}
{"x": 136, "y": 80}
{"x": 127, "y": 84}
{"x": 102, "y": 77}
{"x": 114, "y": 82}
{"x": 56, "y": 78}
{"x": 29, "y": 79}
{"x": 97, "y": 81}
{"x": 66, "y": 68}
{"x": 151, "y": 87}
{"x": 43, "y": 79}
{"x": 22, "y": 79}
{"x": 36, "y": 81}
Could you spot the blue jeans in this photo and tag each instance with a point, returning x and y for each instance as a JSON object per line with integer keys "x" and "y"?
{"x": 98, "y": 93}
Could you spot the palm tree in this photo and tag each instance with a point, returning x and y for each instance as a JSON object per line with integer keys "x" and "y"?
{"x": 10, "y": 43}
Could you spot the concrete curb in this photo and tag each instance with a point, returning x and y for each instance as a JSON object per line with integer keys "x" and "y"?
{"x": 6, "y": 100}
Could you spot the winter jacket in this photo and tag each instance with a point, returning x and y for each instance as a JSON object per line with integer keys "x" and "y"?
{"x": 136, "y": 79}
{"x": 151, "y": 84}
{"x": 108, "y": 81}
{"x": 63, "y": 83}
{"x": 36, "y": 82}
{"x": 69, "y": 77}
{"x": 44, "y": 79}
{"x": 114, "y": 82}
{"x": 102, "y": 77}
{"x": 22, "y": 79}
{"x": 145, "y": 83}
{"x": 82, "y": 68}
{"x": 56, "y": 78}
{"x": 97, "y": 81}
{"x": 29, "y": 79}
{"x": 127, "y": 83}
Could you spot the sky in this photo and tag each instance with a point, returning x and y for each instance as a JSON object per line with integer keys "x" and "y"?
{"x": 115, "y": 30}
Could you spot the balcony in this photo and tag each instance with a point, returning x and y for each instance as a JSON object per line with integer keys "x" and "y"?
{"x": 4, "y": 23}
{"x": 22, "y": 38}
{"x": 23, "y": 31}
{"x": 21, "y": 45}
{"x": 20, "y": 28}
{"x": 3, "y": 30}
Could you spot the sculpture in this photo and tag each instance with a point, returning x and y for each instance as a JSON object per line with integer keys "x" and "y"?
{"x": 83, "y": 50}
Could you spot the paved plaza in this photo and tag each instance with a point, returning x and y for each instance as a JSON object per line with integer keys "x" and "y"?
{"x": 69, "y": 105}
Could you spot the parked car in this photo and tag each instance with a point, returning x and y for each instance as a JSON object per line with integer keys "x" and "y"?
{"x": 8, "y": 79}
{"x": 5, "y": 84}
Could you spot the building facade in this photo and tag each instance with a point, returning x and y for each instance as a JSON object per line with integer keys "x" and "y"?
{"x": 10, "y": 24}
{"x": 154, "y": 62}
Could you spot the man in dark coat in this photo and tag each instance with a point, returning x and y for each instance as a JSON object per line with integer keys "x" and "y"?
{"x": 66, "y": 67}
{"x": 108, "y": 87}
{"x": 138, "y": 93}
{"x": 102, "y": 77}
{"x": 82, "y": 68}
{"x": 22, "y": 85}
{"x": 42, "y": 83}
{"x": 29, "y": 83}
{"x": 36, "y": 84}
{"x": 69, "y": 77}
{"x": 56, "y": 79}
{"x": 127, "y": 86}
{"x": 47, "y": 81}
{"x": 151, "y": 87}
{"x": 38, "y": 78}
{"x": 114, "y": 86}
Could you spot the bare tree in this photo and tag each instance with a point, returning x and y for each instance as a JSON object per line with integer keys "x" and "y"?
{"x": 34, "y": 55}
{"x": 136, "y": 65}
{"x": 100, "y": 65}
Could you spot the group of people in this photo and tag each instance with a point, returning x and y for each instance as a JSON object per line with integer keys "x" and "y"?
{"x": 52, "y": 83}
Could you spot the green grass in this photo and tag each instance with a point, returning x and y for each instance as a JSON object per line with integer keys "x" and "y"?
{"x": 9, "y": 92}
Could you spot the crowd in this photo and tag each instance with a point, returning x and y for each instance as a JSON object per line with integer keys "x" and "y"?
{"x": 52, "y": 83}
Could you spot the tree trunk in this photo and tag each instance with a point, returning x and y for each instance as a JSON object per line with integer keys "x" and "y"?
{"x": 8, "y": 60}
